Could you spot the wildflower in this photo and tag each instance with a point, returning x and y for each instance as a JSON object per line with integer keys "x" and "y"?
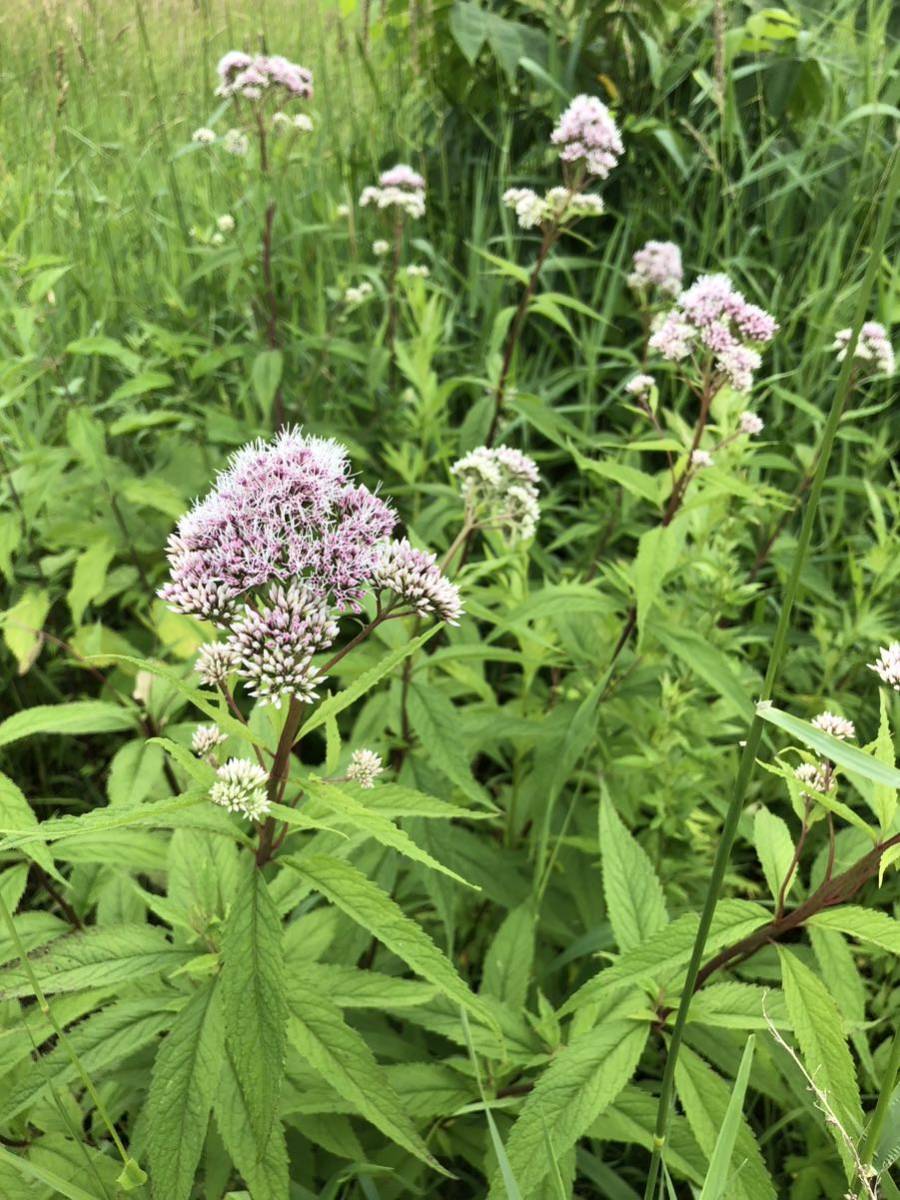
{"x": 502, "y": 483}
{"x": 750, "y": 423}
{"x": 818, "y": 775}
{"x": 587, "y": 132}
{"x": 214, "y": 663}
{"x": 701, "y": 459}
{"x": 342, "y": 211}
{"x": 529, "y": 207}
{"x": 303, "y": 123}
{"x": 217, "y": 239}
{"x": 872, "y": 346}
{"x": 273, "y": 643}
{"x": 203, "y": 136}
{"x": 356, "y": 295}
{"x": 380, "y": 247}
{"x": 887, "y": 666}
{"x": 640, "y": 386}
{"x": 713, "y": 317}
{"x": 838, "y": 727}
{"x": 400, "y": 187}
{"x": 364, "y": 768}
{"x": 415, "y": 578}
{"x": 206, "y": 739}
{"x": 236, "y": 143}
{"x": 281, "y": 511}
{"x": 418, "y": 271}
{"x": 402, "y": 176}
{"x": 225, "y": 223}
{"x": 241, "y": 787}
{"x": 243, "y": 75}
{"x": 656, "y": 267}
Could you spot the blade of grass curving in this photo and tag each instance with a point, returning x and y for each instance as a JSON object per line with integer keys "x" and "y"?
{"x": 506, "y": 1171}
{"x": 754, "y": 734}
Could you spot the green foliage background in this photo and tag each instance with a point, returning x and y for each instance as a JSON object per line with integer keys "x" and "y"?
{"x": 357, "y": 1019}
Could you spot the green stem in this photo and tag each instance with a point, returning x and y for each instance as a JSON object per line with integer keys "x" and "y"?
{"x": 754, "y": 735}
{"x": 888, "y": 1083}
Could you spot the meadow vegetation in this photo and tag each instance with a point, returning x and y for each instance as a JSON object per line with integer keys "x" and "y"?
{"x": 449, "y": 569}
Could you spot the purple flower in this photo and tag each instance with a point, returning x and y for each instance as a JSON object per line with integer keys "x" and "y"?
{"x": 587, "y": 132}
{"x": 415, "y": 578}
{"x": 656, "y": 266}
{"x": 250, "y": 76}
{"x": 402, "y": 176}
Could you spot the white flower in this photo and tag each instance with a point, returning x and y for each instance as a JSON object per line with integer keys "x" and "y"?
{"x": 816, "y": 775}
{"x": 236, "y": 143}
{"x": 356, "y": 295}
{"x": 751, "y": 423}
{"x": 206, "y": 739}
{"x": 529, "y": 207}
{"x": 342, "y": 211}
{"x": 217, "y": 239}
{"x": 837, "y": 726}
{"x": 364, "y": 768}
{"x": 887, "y": 666}
{"x": 872, "y": 346}
{"x": 381, "y": 247}
{"x": 303, "y": 123}
{"x": 417, "y": 271}
{"x": 502, "y": 483}
{"x": 410, "y": 201}
{"x": 225, "y": 223}
{"x": 701, "y": 459}
{"x": 640, "y": 385}
{"x": 214, "y": 664}
{"x": 203, "y": 136}
{"x": 241, "y": 787}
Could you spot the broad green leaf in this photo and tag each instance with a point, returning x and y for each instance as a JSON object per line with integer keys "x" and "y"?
{"x": 32, "y": 1171}
{"x": 658, "y": 552}
{"x": 335, "y": 704}
{"x": 98, "y": 957}
{"x": 774, "y": 849}
{"x": 266, "y": 376}
{"x": 733, "y": 1005}
{"x": 147, "y": 381}
{"x": 89, "y": 577}
{"x": 262, "y": 1164}
{"x": 253, "y": 1000}
{"x": 634, "y": 897}
{"x": 342, "y": 1057}
{"x": 17, "y": 817}
{"x": 349, "y": 987}
{"x": 436, "y": 724}
{"x": 76, "y": 717}
{"x": 509, "y": 958}
{"x": 359, "y": 817}
{"x": 639, "y": 483}
{"x": 23, "y": 625}
{"x": 717, "y": 1185}
{"x": 706, "y": 1100}
{"x": 135, "y": 770}
{"x": 865, "y": 924}
{"x": 373, "y": 909}
{"x": 582, "y": 1079}
{"x": 846, "y": 984}
{"x": 106, "y": 347}
{"x": 819, "y": 1029}
{"x": 853, "y": 760}
{"x": 183, "y": 1084}
{"x": 670, "y": 949}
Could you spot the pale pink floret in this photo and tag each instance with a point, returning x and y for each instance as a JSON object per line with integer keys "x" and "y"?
{"x": 713, "y": 315}
{"x": 415, "y": 578}
{"x": 587, "y": 133}
{"x": 402, "y": 176}
{"x": 873, "y": 346}
{"x": 249, "y": 76}
{"x": 887, "y": 665}
{"x": 657, "y": 267}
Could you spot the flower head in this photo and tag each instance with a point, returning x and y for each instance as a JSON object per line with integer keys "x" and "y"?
{"x": 400, "y": 187}
{"x": 206, "y": 739}
{"x": 402, "y": 176}
{"x": 249, "y": 76}
{"x": 712, "y": 318}
{"x": 528, "y": 206}
{"x": 701, "y": 459}
{"x": 356, "y": 295}
{"x": 656, "y": 267}
{"x": 236, "y": 143}
{"x": 560, "y": 204}
{"x": 502, "y": 483}
{"x": 873, "y": 346}
{"x": 214, "y": 664}
{"x": 750, "y": 423}
{"x": 225, "y": 223}
{"x": 273, "y": 642}
{"x": 838, "y": 727}
{"x": 203, "y": 136}
{"x": 364, "y": 767}
{"x": 418, "y": 271}
{"x": 640, "y": 386}
{"x": 415, "y": 578}
{"x": 587, "y": 132}
{"x": 281, "y": 511}
{"x": 887, "y": 665}
{"x": 241, "y": 787}
{"x": 381, "y": 247}
{"x": 818, "y": 776}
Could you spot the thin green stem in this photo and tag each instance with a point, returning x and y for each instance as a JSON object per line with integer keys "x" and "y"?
{"x": 888, "y": 1083}
{"x": 754, "y": 735}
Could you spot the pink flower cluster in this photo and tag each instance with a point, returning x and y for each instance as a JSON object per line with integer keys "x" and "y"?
{"x": 399, "y": 187}
{"x": 402, "y": 176}
{"x": 873, "y": 346}
{"x": 282, "y": 546}
{"x": 712, "y": 316}
{"x": 251, "y": 75}
{"x": 587, "y": 133}
{"x": 656, "y": 267}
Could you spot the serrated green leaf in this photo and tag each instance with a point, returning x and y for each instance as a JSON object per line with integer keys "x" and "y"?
{"x": 774, "y": 849}
{"x": 18, "y": 817}
{"x": 634, "y": 896}
{"x": 263, "y": 1165}
{"x": 435, "y": 723}
{"x": 253, "y": 1000}
{"x": 865, "y": 924}
{"x": 89, "y": 577}
{"x": 184, "y": 1080}
{"x": 509, "y": 959}
{"x": 76, "y": 717}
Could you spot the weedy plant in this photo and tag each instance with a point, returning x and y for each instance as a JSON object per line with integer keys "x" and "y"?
{"x": 368, "y": 836}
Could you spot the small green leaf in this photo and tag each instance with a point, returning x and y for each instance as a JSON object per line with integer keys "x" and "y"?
{"x": 774, "y": 849}
{"x": 634, "y": 897}
{"x": 89, "y": 577}
{"x": 23, "y": 625}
